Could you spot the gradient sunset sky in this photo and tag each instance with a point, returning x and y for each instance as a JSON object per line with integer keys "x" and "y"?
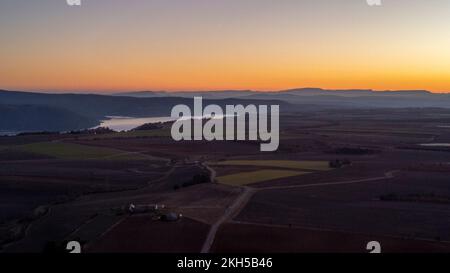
{"x": 125, "y": 45}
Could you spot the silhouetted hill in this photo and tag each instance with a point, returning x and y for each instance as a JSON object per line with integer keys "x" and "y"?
{"x": 96, "y": 106}
{"x": 84, "y": 110}
{"x": 41, "y": 118}
{"x": 100, "y": 106}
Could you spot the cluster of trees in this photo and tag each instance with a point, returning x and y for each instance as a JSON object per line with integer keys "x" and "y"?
{"x": 339, "y": 163}
{"x": 200, "y": 178}
{"x": 150, "y": 126}
{"x": 95, "y": 131}
{"x": 41, "y": 133}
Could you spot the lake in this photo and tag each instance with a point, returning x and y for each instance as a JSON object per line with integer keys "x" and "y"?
{"x": 435, "y": 144}
{"x": 128, "y": 123}
{"x": 8, "y": 133}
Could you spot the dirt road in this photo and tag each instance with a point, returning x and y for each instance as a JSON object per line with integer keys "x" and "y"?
{"x": 248, "y": 192}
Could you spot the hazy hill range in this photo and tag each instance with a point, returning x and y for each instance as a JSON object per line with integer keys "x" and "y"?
{"x": 317, "y": 96}
{"x": 21, "y": 111}
{"x": 220, "y": 94}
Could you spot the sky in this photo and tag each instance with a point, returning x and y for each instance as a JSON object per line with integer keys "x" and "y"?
{"x": 174, "y": 45}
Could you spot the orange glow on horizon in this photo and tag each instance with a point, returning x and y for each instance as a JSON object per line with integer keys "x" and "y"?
{"x": 225, "y": 45}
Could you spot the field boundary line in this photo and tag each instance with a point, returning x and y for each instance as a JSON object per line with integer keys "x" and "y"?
{"x": 388, "y": 175}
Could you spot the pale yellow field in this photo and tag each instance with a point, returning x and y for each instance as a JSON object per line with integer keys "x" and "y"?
{"x": 288, "y": 164}
{"x": 246, "y": 178}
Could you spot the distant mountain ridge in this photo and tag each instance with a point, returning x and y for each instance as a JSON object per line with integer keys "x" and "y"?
{"x": 297, "y": 91}
{"x": 219, "y": 94}
{"x": 322, "y": 97}
{"x": 79, "y": 111}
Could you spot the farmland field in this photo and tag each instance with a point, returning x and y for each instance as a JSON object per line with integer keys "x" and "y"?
{"x": 142, "y": 234}
{"x": 293, "y": 201}
{"x": 246, "y": 178}
{"x": 75, "y": 151}
{"x": 247, "y": 239}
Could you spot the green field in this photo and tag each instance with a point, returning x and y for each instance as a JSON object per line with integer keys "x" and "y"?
{"x": 245, "y": 178}
{"x": 78, "y": 152}
{"x": 287, "y": 164}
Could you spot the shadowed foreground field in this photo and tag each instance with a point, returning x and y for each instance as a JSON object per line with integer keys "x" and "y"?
{"x": 142, "y": 234}
{"x": 247, "y": 239}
